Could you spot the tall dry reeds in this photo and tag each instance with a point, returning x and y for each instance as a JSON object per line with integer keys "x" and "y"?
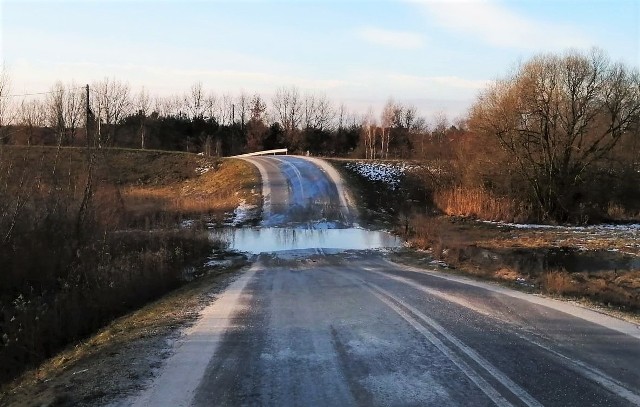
{"x": 480, "y": 203}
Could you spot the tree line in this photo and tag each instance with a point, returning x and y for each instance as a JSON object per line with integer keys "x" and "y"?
{"x": 218, "y": 125}
{"x": 558, "y": 138}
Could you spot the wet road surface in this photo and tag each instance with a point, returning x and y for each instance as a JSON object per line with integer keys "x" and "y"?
{"x": 313, "y": 328}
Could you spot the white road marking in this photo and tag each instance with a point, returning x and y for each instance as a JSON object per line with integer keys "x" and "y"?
{"x": 490, "y": 368}
{"x": 591, "y": 373}
{"x": 619, "y": 325}
{"x": 184, "y": 370}
{"x": 482, "y": 384}
{"x": 580, "y": 367}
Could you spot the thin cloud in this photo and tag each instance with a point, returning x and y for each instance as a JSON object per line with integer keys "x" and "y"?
{"x": 391, "y": 38}
{"x": 499, "y": 26}
{"x": 439, "y": 81}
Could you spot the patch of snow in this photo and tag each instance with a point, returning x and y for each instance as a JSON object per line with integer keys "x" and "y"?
{"x": 243, "y": 213}
{"x": 388, "y": 173}
{"x": 628, "y": 228}
{"x": 185, "y": 224}
{"x": 218, "y": 263}
{"x": 203, "y": 170}
{"x": 439, "y": 263}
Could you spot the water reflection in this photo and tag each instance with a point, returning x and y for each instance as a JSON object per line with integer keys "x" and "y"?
{"x": 259, "y": 240}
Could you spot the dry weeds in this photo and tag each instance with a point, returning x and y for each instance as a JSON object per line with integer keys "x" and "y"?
{"x": 83, "y": 240}
{"x": 525, "y": 257}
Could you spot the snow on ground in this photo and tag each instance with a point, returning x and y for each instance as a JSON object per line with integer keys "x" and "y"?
{"x": 203, "y": 170}
{"x": 605, "y": 228}
{"x": 623, "y": 238}
{"x": 243, "y": 213}
{"x": 389, "y": 173}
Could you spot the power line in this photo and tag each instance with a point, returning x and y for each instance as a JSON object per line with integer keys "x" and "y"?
{"x": 37, "y": 93}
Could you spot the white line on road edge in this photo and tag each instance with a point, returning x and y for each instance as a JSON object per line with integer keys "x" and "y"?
{"x": 184, "y": 370}
{"x": 591, "y": 373}
{"x": 491, "y": 369}
{"x": 598, "y": 318}
{"x": 582, "y": 368}
{"x": 482, "y": 384}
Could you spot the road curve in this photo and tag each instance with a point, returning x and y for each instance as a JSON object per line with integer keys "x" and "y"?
{"x": 356, "y": 329}
{"x": 303, "y": 191}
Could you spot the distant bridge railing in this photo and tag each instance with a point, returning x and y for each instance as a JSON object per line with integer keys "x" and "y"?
{"x": 265, "y": 152}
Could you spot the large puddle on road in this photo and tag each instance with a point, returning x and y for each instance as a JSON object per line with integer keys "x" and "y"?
{"x": 260, "y": 240}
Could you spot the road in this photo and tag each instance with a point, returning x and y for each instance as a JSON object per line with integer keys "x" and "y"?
{"x": 353, "y": 328}
{"x": 303, "y": 191}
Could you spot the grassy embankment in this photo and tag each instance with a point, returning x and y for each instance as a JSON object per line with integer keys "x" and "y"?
{"x": 88, "y": 236}
{"x": 597, "y": 266}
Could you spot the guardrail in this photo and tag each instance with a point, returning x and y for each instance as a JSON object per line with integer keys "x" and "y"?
{"x": 265, "y": 152}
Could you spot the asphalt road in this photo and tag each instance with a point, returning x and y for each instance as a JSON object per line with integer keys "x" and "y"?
{"x": 307, "y": 328}
{"x": 302, "y": 191}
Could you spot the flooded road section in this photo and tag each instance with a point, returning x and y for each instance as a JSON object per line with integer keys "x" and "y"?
{"x": 305, "y": 206}
{"x": 268, "y": 240}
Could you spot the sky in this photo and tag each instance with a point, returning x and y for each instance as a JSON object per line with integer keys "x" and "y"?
{"x": 435, "y": 55}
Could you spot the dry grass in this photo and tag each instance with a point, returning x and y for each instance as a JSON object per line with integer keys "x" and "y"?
{"x": 558, "y": 282}
{"x": 214, "y": 193}
{"x": 121, "y": 346}
{"x": 479, "y": 203}
{"x": 526, "y": 257}
{"x": 74, "y": 257}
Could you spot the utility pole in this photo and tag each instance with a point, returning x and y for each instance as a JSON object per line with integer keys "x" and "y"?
{"x": 88, "y": 116}
{"x": 233, "y": 122}
{"x": 142, "y": 116}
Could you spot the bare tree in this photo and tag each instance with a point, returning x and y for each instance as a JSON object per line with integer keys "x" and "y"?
{"x": 143, "y": 106}
{"x": 5, "y": 102}
{"x": 113, "y": 102}
{"x": 318, "y": 112}
{"x": 226, "y": 110}
{"x": 211, "y": 107}
{"x": 557, "y": 117}
{"x": 32, "y": 114}
{"x": 420, "y": 127}
{"x": 369, "y": 128}
{"x": 386, "y": 122}
{"x": 439, "y": 127}
{"x": 194, "y": 101}
{"x": 243, "y": 107}
{"x": 56, "y": 109}
{"x": 74, "y": 111}
{"x": 288, "y": 111}
{"x": 258, "y": 108}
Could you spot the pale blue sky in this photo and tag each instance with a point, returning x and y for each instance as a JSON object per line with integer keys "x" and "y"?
{"x": 436, "y": 55}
